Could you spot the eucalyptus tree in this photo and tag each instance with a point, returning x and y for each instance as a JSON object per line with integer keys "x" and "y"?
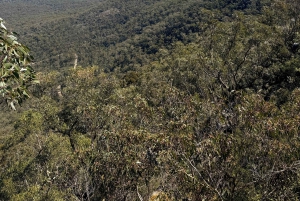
{"x": 16, "y": 73}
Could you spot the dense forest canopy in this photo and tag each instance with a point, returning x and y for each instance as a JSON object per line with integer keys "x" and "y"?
{"x": 193, "y": 100}
{"x": 101, "y": 33}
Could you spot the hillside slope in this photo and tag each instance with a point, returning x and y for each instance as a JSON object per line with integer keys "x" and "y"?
{"x": 20, "y": 14}
{"x": 190, "y": 100}
{"x": 103, "y": 33}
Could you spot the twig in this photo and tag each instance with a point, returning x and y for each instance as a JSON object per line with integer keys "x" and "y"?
{"x": 216, "y": 190}
{"x": 139, "y": 195}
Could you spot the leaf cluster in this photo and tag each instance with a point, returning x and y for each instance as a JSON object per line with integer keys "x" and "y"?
{"x": 16, "y": 72}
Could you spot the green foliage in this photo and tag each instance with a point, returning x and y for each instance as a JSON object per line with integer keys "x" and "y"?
{"x": 16, "y": 72}
{"x": 213, "y": 116}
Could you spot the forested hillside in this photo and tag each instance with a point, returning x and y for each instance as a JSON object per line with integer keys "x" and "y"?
{"x": 194, "y": 100}
{"x": 112, "y": 33}
{"x": 22, "y": 14}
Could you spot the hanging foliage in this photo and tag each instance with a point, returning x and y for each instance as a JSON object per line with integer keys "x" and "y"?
{"x": 16, "y": 73}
